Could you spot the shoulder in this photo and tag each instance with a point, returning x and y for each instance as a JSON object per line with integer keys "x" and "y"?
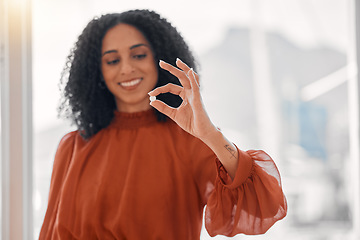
{"x": 68, "y": 138}
{"x": 63, "y": 154}
{"x": 67, "y": 143}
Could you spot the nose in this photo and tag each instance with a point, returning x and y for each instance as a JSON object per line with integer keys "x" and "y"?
{"x": 126, "y": 68}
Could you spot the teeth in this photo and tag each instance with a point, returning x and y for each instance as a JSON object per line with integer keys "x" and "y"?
{"x": 131, "y": 83}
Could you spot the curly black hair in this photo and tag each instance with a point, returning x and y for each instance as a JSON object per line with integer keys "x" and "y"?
{"x": 85, "y": 99}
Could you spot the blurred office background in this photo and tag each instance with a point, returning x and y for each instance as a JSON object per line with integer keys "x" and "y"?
{"x": 276, "y": 75}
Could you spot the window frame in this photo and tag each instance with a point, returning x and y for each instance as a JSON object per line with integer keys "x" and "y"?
{"x": 16, "y": 120}
{"x": 354, "y": 101}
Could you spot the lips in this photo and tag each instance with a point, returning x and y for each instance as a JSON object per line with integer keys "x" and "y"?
{"x": 130, "y": 84}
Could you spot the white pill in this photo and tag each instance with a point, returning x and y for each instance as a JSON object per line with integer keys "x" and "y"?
{"x": 152, "y": 98}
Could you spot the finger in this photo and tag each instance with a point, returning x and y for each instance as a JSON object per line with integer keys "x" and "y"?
{"x": 182, "y": 65}
{"x": 193, "y": 81}
{"x": 186, "y": 69}
{"x": 184, "y": 80}
{"x": 197, "y": 78}
{"x": 171, "y": 88}
{"x": 163, "y": 108}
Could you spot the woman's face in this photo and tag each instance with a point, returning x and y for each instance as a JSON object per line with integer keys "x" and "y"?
{"x": 128, "y": 67}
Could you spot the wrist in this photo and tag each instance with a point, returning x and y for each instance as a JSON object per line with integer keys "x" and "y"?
{"x": 212, "y": 136}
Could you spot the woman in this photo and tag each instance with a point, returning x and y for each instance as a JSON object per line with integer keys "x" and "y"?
{"x": 141, "y": 169}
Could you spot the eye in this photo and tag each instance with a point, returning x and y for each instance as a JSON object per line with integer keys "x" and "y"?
{"x": 113, "y": 62}
{"x": 139, "y": 56}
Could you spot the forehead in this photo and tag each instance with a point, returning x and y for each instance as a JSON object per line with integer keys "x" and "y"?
{"x": 122, "y": 36}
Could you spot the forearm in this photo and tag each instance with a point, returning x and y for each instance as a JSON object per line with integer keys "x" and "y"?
{"x": 224, "y": 150}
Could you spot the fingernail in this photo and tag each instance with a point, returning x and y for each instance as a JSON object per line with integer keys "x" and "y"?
{"x": 161, "y": 61}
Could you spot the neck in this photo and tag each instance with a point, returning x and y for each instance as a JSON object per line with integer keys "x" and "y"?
{"x": 133, "y": 108}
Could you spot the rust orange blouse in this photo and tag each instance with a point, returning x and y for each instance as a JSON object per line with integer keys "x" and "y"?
{"x": 144, "y": 179}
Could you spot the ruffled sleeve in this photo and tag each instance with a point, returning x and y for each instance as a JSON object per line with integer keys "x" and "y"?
{"x": 61, "y": 164}
{"x": 250, "y": 203}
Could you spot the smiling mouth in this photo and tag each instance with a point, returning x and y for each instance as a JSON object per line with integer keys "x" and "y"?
{"x": 131, "y": 83}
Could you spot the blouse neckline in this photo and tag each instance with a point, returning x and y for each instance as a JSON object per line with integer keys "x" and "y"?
{"x": 134, "y": 120}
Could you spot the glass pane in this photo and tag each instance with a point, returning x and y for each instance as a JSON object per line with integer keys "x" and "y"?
{"x": 52, "y": 41}
{"x": 306, "y": 65}
{"x": 2, "y": 75}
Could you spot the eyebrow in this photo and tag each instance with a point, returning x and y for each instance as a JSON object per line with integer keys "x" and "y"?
{"x": 138, "y": 45}
{"x": 132, "y": 47}
{"x": 110, "y": 51}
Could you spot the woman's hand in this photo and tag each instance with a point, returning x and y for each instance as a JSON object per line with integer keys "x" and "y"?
{"x": 190, "y": 115}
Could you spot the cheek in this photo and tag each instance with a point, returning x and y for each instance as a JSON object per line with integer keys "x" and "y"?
{"x": 108, "y": 73}
{"x": 154, "y": 77}
{"x": 153, "y": 70}
{"x": 155, "y": 73}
